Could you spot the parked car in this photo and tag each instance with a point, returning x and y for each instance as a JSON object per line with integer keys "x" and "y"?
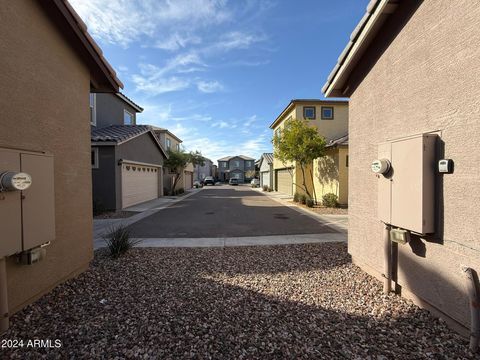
{"x": 233, "y": 181}
{"x": 208, "y": 180}
{"x": 255, "y": 182}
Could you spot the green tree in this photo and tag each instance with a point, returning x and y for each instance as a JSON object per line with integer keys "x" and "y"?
{"x": 177, "y": 161}
{"x": 299, "y": 143}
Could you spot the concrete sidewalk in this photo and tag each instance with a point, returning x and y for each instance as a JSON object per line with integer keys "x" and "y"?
{"x": 338, "y": 222}
{"x": 101, "y": 226}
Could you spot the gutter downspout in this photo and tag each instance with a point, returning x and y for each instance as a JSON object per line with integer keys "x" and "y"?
{"x": 471, "y": 280}
{"x": 4, "y": 322}
{"x": 387, "y": 247}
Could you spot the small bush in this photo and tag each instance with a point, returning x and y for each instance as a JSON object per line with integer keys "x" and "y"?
{"x": 310, "y": 203}
{"x": 270, "y": 189}
{"x": 296, "y": 197}
{"x": 180, "y": 191}
{"x": 265, "y": 187}
{"x": 303, "y": 199}
{"x": 330, "y": 200}
{"x": 119, "y": 240}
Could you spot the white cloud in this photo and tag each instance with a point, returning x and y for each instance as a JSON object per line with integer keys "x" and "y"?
{"x": 209, "y": 86}
{"x": 237, "y": 40}
{"x": 176, "y": 41}
{"x": 159, "y": 85}
{"x": 123, "y": 22}
{"x": 223, "y": 125}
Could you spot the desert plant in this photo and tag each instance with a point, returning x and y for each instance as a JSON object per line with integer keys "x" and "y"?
{"x": 270, "y": 189}
{"x": 309, "y": 202}
{"x": 119, "y": 240}
{"x": 296, "y": 197}
{"x": 181, "y": 191}
{"x": 330, "y": 200}
{"x": 265, "y": 187}
{"x": 303, "y": 199}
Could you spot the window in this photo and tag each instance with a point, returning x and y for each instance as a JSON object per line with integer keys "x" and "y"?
{"x": 309, "y": 112}
{"x": 278, "y": 132}
{"x": 177, "y": 147}
{"x": 93, "y": 110}
{"x": 94, "y": 158}
{"x": 224, "y": 164}
{"x": 127, "y": 118}
{"x": 236, "y": 163}
{"x": 168, "y": 143}
{"x": 249, "y": 163}
{"x": 346, "y": 161}
{"x": 327, "y": 112}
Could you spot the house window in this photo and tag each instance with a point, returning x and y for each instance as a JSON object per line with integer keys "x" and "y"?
{"x": 127, "y": 118}
{"x": 168, "y": 143}
{"x": 309, "y": 112}
{"x": 177, "y": 147}
{"x": 249, "y": 163}
{"x": 327, "y": 112}
{"x": 93, "y": 109}
{"x": 278, "y": 132}
{"x": 346, "y": 161}
{"x": 224, "y": 164}
{"x": 94, "y": 158}
{"x": 236, "y": 163}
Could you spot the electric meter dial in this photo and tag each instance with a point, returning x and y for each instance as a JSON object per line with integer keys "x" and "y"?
{"x": 381, "y": 166}
{"x": 12, "y": 181}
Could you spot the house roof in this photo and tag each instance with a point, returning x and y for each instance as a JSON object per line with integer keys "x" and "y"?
{"x": 377, "y": 12}
{"x": 162, "y": 130}
{"x": 130, "y": 102}
{"x": 268, "y": 157}
{"x": 228, "y": 158}
{"x": 118, "y": 134}
{"x": 79, "y": 28}
{"x": 294, "y": 102}
{"x": 341, "y": 141}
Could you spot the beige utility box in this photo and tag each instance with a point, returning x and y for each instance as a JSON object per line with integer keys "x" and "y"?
{"x": 406, "y": 193}
{"x": 27, "y": 208}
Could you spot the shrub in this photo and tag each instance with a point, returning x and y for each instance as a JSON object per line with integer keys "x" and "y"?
{"x": 265, "y": 187}
{"x": 303, "y": 199}
{"x": 180, "y": 191}
{"x": 330, "y": 200}
{"x": 296, "y": 197}
{"x": 270, "y": 189}
{"x": 309, "y": 203}
{"x": 119, "y": 240}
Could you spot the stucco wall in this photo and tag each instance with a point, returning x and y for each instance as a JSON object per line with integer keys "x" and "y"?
{"x": 45, "y": 105}
{"x": 110, "y": 110}
{"x": 425, "y": 80}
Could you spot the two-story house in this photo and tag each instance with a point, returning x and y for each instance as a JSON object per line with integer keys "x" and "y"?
{"x": 172, "y": 142}
{"x": 127, "y": 159}
{"x": 202, "y": 171}
{"x": 330, "y": 118}
{"x": 240, "y": 167}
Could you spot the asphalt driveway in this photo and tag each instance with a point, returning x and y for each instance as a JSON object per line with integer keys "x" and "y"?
{"x": 227, "y": 211}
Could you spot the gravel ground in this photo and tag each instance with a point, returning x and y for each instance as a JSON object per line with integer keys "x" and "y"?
{"x": 322, "y": 210}
{"x": 280, "y": 302}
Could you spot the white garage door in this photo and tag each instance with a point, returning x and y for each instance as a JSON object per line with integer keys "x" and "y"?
{"x": 265, "y": 178}
{"x": 284, "y": 181}
{"x": 139, "y": 184}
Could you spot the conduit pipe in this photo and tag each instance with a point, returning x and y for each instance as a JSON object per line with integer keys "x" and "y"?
{"x": 4, "y": 323}
{"x": 387, "y": 247}
{"x": 474, "y": 308}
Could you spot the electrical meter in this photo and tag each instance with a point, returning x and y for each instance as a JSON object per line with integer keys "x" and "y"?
{"x": 381, "y": 166}
{"x": 12, "y": 181}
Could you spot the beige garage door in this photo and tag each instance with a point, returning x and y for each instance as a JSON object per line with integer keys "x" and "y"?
{"x": 284, "y": 181}
{"x": 139, "y": 184}
{"x": 188, "y": 180}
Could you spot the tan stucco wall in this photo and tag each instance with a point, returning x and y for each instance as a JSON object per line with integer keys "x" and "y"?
{"x": 330, "y": 175}
{"x": 45, "y": 97}
{"x": 426, "y": 80}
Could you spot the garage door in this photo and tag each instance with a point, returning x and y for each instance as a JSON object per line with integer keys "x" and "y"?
{"x": 139, "y": 184}
{"x": 265, "y": 179}
{"x": 188, "y": 180}
{"x": 284, "y": 181}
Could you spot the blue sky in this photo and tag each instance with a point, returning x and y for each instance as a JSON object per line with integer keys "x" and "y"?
{"x": 217, "y": 73}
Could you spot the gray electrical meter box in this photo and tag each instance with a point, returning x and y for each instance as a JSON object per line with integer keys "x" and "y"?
{"x": 406, "y": 194}
{"x": 27, "y": 200}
